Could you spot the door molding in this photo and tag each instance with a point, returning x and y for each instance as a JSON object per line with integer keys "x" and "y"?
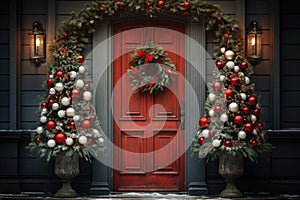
{"x": 195, "y": 176}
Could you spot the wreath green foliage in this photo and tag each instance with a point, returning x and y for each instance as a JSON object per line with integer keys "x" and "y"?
{"x": 150, "y": 69}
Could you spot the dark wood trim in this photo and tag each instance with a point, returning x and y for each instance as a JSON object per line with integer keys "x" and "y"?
{"x": 241, "y": 16}
{"x": 51, "y": 24}
{"x": 275, "y": 34}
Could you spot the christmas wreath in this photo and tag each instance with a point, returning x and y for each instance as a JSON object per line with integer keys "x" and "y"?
{"x": 150, "y": 69}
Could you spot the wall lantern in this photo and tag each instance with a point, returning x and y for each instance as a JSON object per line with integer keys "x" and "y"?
{"x": 37, "y": 43}
{"x": 254, "y": 48}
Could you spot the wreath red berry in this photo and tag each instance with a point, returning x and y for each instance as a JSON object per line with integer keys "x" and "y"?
{"x": 150, "y": 69}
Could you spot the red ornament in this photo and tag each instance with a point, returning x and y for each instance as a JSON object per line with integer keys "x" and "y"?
{"x": 219, "y": 64}
{"x": 44, "y": 105}
{"x": 121, "y": 5}
{"x": 248, "y": 128}
{"x": 86, "y": 124}
{"x": 75, "y": 93}
{"x": 49, "y": 83}
{"x": 87, "y": 86}
{"x": 229, "y": 93}
{"x": 201, "y": 140}
{"x": 160, "y": 4}
{"x": 244, "y": 65}
{"x": 93, "y": 118}
{"x": 234, "y": 81}
{"x": 238, "y": 120}
{"x": 72, "y": 125}
{"x": 254, "y": 143}
{"x": 186, "y": 5}
{"x": 37, "y": 141}
{"x": 246, "y": 110}
{"x": 218, "y": 109}
{"x": 203, "y": 122}
{"x": 227, "y": 143}
{"x": 51, "y": 102}
{"x": 219, "y": 19}
{"x": 149, "y": 3}
{"x": 51, "y": 125}
{"x": 60, "y": 138}
{"x": 256, "y": 111}
{"x": 102, "y": 9}
{"x": 211, "y": 133}
{"x": 89, "y": 109}
{"x": 59, "y": 74}
{"x": 252, "y": 100}
{"x": 260, "y": 126}
{"x": 226, "y": 35}
{"x": 80, "y": 58}
{"x": 90, "y": 141}
{"x": 217, "y": 85}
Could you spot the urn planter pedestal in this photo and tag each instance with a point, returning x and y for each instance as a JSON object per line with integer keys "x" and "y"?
{"x": 231, "y": 168}
{"x": 66, "y": 168}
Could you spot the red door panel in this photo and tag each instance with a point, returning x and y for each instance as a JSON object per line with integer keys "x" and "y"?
{"x": 147, "y": 126}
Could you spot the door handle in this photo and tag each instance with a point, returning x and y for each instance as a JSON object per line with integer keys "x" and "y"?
{"x": 182, "y": 116}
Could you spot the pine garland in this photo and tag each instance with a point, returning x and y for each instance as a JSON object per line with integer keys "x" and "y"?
{"x": 75, "y": 33}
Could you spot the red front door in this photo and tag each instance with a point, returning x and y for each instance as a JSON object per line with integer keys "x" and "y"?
{"x": 149, "y": 142}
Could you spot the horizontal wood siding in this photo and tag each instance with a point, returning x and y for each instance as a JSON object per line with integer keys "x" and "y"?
{"x": 4, "y": 65}
{"x": 289, "y": 65}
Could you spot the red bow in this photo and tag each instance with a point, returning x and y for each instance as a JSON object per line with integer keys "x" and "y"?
{"x": 149, "y": 57}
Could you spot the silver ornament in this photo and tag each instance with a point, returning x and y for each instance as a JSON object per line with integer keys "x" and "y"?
{"x": 242, "y": 134}
{"x": 51, "y": 143}
{"x": 224, "y": 118}
{"x": 39, "y": 130}
{"x": 205, "y": 133}
{"x": 59, "y": 87}
{"x": 70, "y": 112}
{"x": 216, "y": 143}
{"x": 82, "y": 139}
{"x": 52, "y": 91}
{"x": 230, "y": 64}
{"x": 65, "y": 101}
{"x": 61, "y": 113}
{"x": 55, "y": 106}
{"x": 79, "y": 83}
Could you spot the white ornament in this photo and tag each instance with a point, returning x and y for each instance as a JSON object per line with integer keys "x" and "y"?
{"x": 216, "y": 143}
{"x": 205, "y": 133}
{"x": 43, "y": 119}
{"x": 51, "y": 76}
{"x": 222, "y": 78}
{"x": 247, "y": 80}
{"x": 82, "y": 139}
{"x": 61, "y": 113}
{"x": 211, "y": 113}
{"x": 44, "y": 111}
{"x": 51, "y": 143}
{"x": 229, "y": 55}
{"x": 224, "y": 118}
{"x": 253, "y": 118}
{"x": 101, "y": 140}
{"x": 80, "y": 83}
{"x": 70, "y": 112}
{"x": 254, "y": 132}
{"x": 211, "y": 97}
{"x": 87, "y": 96}
{"x": 96, "y": 132}
{"x": 55, "y": 106}
{"x": 59, "y": 87}
{"x": 69, "y": 141}
{"x": 76, "y": 118}
{"x": 233, "y": 107}
{"x": 52, "y": 91}
{"x": 81, "y": 69}
{"x": 236, "y": 68}
{"x": 242, "y": 134}
{"x": 223, "y": 49}
{"x": 39, "y": 130}
{"x": 243, "y": 96}
{"x": 199, "y": 134}
{"x": 230, "y": 64}
{"x": 241, "y": 74}
{"x": 73, "y": 74}
{"x": 65, "y": 101}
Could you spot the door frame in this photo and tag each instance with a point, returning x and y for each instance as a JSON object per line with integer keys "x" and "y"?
{"x": 195, "y": 172}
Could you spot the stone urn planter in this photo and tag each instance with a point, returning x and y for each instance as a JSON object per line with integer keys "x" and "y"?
{"x": 66, "y": 168}
{"x": 231, "y": 168}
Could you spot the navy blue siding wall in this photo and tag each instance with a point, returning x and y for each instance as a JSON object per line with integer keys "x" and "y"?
{"x": 4, "y": 65}
{"x": 290, "y": 62}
